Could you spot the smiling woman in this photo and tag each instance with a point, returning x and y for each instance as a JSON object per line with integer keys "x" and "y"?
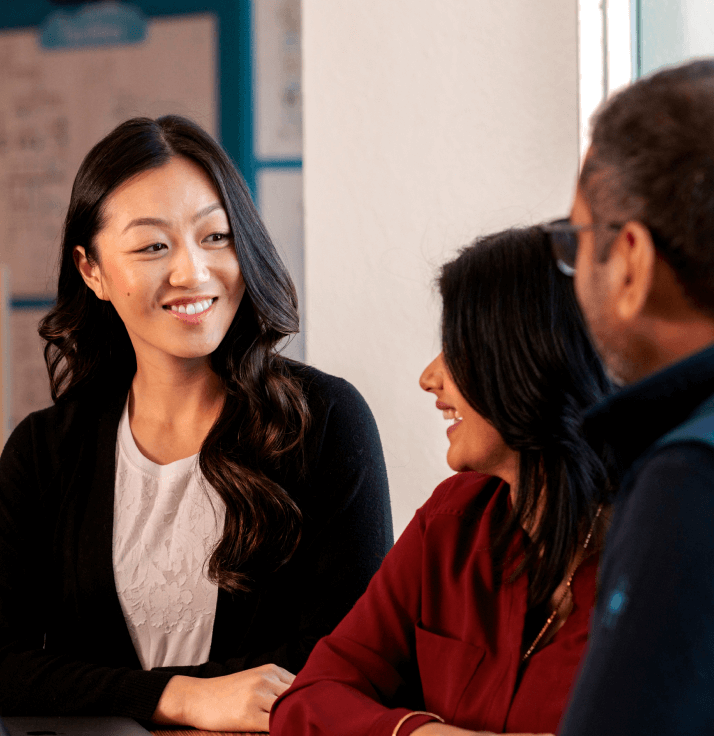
{"x": 478, "y": 618}
{"x": 195, "y": 511}
{"x": 161, "y": 273}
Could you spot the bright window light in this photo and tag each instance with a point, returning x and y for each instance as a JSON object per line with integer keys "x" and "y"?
{"x": 604, "y": 55}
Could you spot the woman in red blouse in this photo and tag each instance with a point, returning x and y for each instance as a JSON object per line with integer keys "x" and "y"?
{"x": 478, "y": 618}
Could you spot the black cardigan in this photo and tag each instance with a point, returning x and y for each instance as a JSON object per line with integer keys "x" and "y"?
{"x": 64, "y": 644}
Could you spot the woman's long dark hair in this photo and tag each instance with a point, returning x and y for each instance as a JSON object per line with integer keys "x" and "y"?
{"x": 265, "y": 415}
{"x": 517, "y": 348}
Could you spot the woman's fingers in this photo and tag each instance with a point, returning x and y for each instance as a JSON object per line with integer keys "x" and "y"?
{"x": 276, "y": 677}
{"x": 280, "y": 687}
{"x": 280, "y": 674}
{"x": 285, "y": 676}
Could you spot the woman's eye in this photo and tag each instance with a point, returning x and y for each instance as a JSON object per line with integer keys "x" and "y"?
{"x": 153, "y": 248}
{"x": 217, "y": 238}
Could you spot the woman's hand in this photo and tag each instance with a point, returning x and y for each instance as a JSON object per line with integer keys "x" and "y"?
{"x": 441, "y": 729}
{"x": 238, "y": 702}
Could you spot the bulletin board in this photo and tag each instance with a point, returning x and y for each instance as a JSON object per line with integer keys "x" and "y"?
{"x": 49, "y": 124}
{"x": 59, "y": 97}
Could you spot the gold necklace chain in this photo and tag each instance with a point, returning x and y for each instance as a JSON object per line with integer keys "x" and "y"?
{"x": 552, "y": 616}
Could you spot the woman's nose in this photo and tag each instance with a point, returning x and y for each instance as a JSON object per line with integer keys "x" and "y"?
{"x": 432, "y": 378}
{"x": 188, "y": 268}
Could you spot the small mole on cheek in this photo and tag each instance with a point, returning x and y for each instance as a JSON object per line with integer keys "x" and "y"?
{"x": 128, "y": 294}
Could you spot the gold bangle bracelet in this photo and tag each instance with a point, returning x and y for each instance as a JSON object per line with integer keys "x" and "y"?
{"x": 414, "y": 713}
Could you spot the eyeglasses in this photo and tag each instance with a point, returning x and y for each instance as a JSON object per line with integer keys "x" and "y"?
{"x": 563, "y": 236}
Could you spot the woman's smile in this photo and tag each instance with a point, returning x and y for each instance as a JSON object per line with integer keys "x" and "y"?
{"x": 450, "y": 413}
{"x": 190, "y": 311}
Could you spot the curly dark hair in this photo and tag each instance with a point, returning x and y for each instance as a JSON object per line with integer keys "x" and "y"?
{"x": 516, "y": 346}
{"x": 652, "y": 160}
{"x": 265, "y": 415}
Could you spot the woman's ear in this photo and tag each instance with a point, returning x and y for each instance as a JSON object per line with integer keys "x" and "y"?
{"x": 89, "y": 271}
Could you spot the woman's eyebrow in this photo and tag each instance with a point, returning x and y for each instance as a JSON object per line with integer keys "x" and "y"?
{"x": 158, "y": 222}
{"x": 137, "y": 222}
{"x": 206, "y": 211}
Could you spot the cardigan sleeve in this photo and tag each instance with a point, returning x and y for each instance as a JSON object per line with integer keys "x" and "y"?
{"x": 369, "y": 661}
{"x": 33, "y": 681}
{"x": 347, "y": 532}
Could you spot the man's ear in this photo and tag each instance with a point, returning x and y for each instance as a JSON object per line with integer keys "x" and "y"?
{"x": 632, "y": 263}
{"x": 89, "y": 271}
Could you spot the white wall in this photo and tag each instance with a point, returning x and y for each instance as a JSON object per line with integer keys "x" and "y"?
{"x": 426, "y": 123}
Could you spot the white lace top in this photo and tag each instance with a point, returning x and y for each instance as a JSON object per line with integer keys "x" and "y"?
{"x": 164, "y": 528}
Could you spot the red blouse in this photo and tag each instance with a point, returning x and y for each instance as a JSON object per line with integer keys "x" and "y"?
{"x": 431, "y": 633}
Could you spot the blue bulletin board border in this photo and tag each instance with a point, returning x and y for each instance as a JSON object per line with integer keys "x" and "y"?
{"x": 32, "y": 302}
{"x": 234, "y": 48}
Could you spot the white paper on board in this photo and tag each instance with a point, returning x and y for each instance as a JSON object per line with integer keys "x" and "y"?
{"x": 278, "y": 74}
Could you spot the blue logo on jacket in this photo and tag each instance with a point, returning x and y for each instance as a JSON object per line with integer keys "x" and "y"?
{"x": 616, "y": 603}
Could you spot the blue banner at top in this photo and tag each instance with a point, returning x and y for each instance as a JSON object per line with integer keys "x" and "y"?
{"x": 99, "y": 24}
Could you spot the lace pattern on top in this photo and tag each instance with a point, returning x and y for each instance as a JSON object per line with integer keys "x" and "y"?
{"x": 165, "y": 525}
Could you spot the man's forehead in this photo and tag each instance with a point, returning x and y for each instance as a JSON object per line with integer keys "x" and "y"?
{"x": 580, "y": 206}
{"x": 589, "y": 166}
{"x": 580, "y": 212}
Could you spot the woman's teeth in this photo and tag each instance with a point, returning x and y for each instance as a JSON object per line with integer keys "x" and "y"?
{"x": 452, "y": 414}
{"x": 193, "y": 308}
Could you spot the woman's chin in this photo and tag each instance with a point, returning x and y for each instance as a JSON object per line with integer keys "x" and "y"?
{"x": 456, "y": 463}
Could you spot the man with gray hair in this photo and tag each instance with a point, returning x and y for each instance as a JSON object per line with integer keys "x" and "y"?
{"x": 640, "y": 238}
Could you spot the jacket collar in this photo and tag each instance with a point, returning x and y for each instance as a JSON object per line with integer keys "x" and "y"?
{"x": 632, "y": 419}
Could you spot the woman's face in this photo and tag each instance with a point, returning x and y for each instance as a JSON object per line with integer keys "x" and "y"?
{"x": 167, "y": 262}
{"x": 474, "y": 443}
